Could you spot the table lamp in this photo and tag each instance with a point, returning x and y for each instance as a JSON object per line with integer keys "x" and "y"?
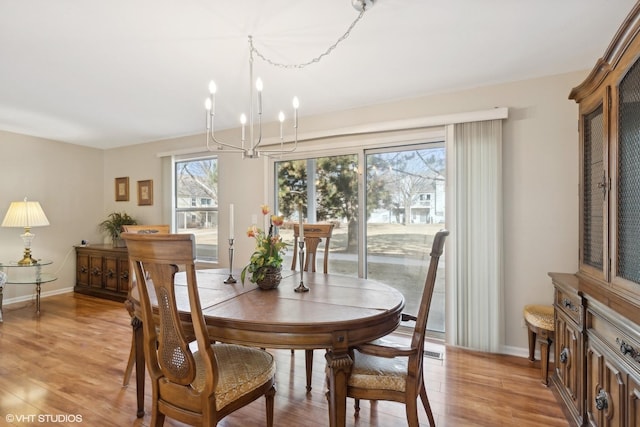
{"x": 25, "y": 214}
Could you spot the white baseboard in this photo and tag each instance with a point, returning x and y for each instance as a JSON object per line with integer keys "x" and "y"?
{"x": 524, "y": 352}
{"x": 43, "y": 294}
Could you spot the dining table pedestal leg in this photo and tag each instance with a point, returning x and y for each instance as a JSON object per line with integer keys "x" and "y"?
{"x": 339, "y": 369}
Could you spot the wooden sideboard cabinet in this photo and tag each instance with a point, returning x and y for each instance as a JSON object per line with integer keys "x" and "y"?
{"x": 102, "y": 271}
{"x": 598, "y": 308}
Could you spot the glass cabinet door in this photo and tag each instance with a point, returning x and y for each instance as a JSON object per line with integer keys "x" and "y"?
{"x": 594, "y": 194}
{"x": 627, "y": 232}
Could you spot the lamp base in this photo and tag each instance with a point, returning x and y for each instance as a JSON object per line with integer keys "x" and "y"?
{"x": 26, "y": 259}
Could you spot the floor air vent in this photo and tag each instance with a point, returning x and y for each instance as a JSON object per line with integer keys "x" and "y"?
{"x": 433, "y": 354}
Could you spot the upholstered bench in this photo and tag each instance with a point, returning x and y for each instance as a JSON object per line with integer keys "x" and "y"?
{"x": 540, "y": 322}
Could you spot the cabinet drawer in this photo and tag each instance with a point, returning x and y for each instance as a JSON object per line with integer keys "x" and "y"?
{"x": 95, "y": 271}
{"x": 82, "y": 270}
{"x": 625, "y": 346}
{"x": 571, "y": 304}
{"x": 110, "y": 273}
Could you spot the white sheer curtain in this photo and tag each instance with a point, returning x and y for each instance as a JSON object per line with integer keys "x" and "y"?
{"x": 474, "y": 250}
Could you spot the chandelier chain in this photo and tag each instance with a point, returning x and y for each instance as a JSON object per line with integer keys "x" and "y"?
{"x": 314, "y": 60}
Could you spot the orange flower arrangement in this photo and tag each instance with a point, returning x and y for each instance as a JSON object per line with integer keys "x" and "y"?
{"x": 269, "y": 248}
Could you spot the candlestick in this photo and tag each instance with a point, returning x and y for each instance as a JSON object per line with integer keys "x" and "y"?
{"x": 230, "y": 279}
{"x": 301, "y": 232}
{"x": 301, "y": 287}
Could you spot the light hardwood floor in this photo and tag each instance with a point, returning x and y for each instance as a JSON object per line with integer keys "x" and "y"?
{"x": 69, "y": 363}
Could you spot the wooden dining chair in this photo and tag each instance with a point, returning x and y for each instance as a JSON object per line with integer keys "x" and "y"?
{"x": 386, "y": 372}
{"x": 142, "y": 229}
{"x": 197, "y": 383}
{"x": 313, "y": 235}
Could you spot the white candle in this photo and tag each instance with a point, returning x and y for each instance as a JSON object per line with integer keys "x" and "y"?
{"x": 301, "y": 223}
{"x": 281, "y": 119}
{"x": 243, "y": 121}
{"x": 231, "y": 221}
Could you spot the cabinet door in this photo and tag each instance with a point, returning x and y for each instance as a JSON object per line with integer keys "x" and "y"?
{"x": 110, "y": 273}
{"x": 634, "y": 403}
{"x": 123, "y": 275}
{"x": 82, "y": 270}
{"x": 95, "y": 271}
{"x": 594, "y": 192}
{"x": 568, "y": 351}
{"x": 606, "y": 398}
{"x": 626, "y": 229}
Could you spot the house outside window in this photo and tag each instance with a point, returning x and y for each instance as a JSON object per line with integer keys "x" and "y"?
{"x": 196, "y": 204}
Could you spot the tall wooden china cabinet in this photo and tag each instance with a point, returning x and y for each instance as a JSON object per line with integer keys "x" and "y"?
{"x": 597, "y": 349}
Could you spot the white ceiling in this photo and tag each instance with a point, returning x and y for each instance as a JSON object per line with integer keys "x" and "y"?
{"x": 120, "y": 72}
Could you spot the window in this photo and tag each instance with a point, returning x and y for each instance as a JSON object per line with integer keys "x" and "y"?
{"x": 196, "y": 204}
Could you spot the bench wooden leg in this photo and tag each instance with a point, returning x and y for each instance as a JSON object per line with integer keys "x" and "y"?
{"x": 545, "y": 342}
{"x": 532, "y": 344}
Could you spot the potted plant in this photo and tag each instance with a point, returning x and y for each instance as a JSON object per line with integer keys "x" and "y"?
{"x": 113, "y": 226}
{"x": 265, "y": 264}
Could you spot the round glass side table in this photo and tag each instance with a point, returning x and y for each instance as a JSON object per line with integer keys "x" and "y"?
{"x": 26, "y": 274}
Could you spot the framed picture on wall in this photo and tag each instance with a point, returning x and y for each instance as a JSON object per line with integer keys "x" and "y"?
{"x": 145, "y": 192}
{"x": 122, "y": 189}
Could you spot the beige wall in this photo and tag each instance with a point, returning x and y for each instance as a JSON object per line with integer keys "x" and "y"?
{"x": 67, "y": 181}
{"x": 539, "y": 167}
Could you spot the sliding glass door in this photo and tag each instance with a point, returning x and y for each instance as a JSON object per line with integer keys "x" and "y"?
{"x": 401, "y": 209}
{"x": 405, "y": 209}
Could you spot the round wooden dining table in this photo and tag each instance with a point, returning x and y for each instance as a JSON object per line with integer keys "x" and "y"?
{"x": 337, "y": 313}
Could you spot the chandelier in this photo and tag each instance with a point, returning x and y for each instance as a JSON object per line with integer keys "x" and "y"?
{"x": 249, "y": 145}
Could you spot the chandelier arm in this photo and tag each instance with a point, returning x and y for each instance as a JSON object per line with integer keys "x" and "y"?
{"x": 288, "y": 150}
{"x": 254, "y": 147}
{"x": 317, "y": 58}
{"x": 211, "y": 136}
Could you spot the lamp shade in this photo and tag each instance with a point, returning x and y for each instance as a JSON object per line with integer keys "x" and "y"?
{"x": 25, "y": 214}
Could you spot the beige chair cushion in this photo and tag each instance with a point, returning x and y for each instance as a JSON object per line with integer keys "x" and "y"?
{"x": 540, "y": 316}
{"x": 373, "y": 372}
{"x": 241, "y": 370}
